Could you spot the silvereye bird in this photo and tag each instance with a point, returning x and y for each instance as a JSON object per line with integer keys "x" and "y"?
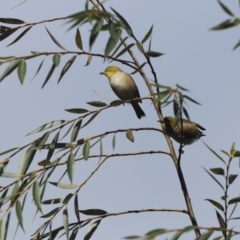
{"x": 190, "y": 132}
{"x": 124, "y": 87}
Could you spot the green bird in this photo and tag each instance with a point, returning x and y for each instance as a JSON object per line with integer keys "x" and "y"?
{"x": 190, "y": 132}
{"x": 124, "y": 87}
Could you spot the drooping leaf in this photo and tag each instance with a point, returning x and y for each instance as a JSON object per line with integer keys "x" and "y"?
{"x": 86, "y": 150}
{"x": 205, "y": 235}
{"x": 91, "y": 230}
{"x": 19, "y": 214}
{"x": 114, "y": 141}
{"x": 36, "y": 195}
{"x": 8, "y": 33}
{"x": 88, "y": 60}
{"x": 10, "y": 175}
{"x": 55, "y": 40}
{"x": 216, "y": 204}
{"x": 9, "y": 69}
{"x": 148, "y": 34}
{"x": 50, "y": 72}
{"x": 51, "y": 213}
{"x": 140, "y": 47}
{"x": 39, "y": 68}
{"x": 237, "y": 45}
{"x": 214, "y": 178}
{"x": 219, "y": 157}
{"x": 70, "y": 166}
{"x": 7, "y": 151}
{"x": 93, "y": 212}
{"x": 76, "y": 207}
{"x": 119, "y": 45}
{"x": 54, "y": 141}
{"x": 47, "y": 126}
{"x": 75, "y": 130}
{"x": 78, "y": 40}
{"x": 77, "y": 110}
{"x": 56, "y": 59}
{"x": 53, "y": 201}
{"x": 129, "y": 135}
{"x": 95, "y": 31}
{"x": 139, "y": 69}
{"x": 221, "y": 222}
{"x": 2, "y": 229}
{"x": 66, "y": 67}
{"x": 65, "y": 221}
{"x": 20, "y": 36}
{"x": 125, "y": 50}
{"x": 90, "y": 119}
{"x": 22, "y": 68}
{"x": 112, "y": 42}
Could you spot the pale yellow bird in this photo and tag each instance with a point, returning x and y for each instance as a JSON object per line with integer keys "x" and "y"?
{"x": 188, "y": 135}
{"x": 124, "y": 87}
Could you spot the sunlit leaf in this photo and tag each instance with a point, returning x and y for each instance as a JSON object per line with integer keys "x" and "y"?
{"x": 86, "y": 150}
{"x": 22, "y": 68}
{"x": 9, "y": 69}
{"x": 65, "y": 220}
{"x": 64, "y": 185}
{"x": 88, "y": 60}
{"x": 19, "y": 214}
{"x": 91, "y": 230}
{"x": 36, "y": 195}
{"x": 56, "y": 59}
{"x": 7, "y": 151}
{"x": 76, "y": 207}
{"x": 129, "y": 135}
{"x": 114, "y": 141}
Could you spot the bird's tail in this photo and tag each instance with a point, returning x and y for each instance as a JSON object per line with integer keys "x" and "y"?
{"x": 139, "y": 112}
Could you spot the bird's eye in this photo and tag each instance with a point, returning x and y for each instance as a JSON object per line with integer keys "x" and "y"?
{"x": 108, "y": 69}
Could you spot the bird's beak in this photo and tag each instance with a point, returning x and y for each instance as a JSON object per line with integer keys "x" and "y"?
{"x": 103, "y": 73}
{"x": 160, "y": 121}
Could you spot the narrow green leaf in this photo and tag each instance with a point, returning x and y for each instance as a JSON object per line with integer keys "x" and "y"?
{"x": 8, "y": 33}
{"x": 11, "y": 21}
{"x": 86, "y": 150}
{"x": 218, "y": 171}
{"x": 75, "y": 231}
{"x": 36, "y": 195}
{"x": 9, "y": 69}
{"x": 148, "y": 34}
{"x": 225, "y": 152}
{"x": 205, "y": 235}
{"x": 66, "y": 67}
{"x": 54, "y": 141}
{"x": 124, "y": 22}
{"x": 22, "y": 68}
{"x": 227, "y": 24}
{"x": 64, "y": 185}
{"x": 90, "y": 119}
{"x": 95, "y": 31}
{"x": 214, "y": 178}
{"x": 77, "y": 110}
{"x": 234, "y": 200}
{"x": 91, "y": 230}
{"x": 20, "y": 36}
{"x": 26, "y": 161}
{"x": 97, "y": 104}
{"x": 156, "y": 232}
{"x": 19, "y": 214}
{"x": 53, "y": 201}
{"x": 229, "y": 236}
{"x": 70, "y": 166}
{"x": 114, "y": 141}
{"x": 7, "y": 225}
{"x": 51, "y": 213}
{"x": 10, "y": 175}
{"x": 75, "y": 130}
{"x": 221, "y": 222}
{"x": 153, "y": 54}
{"x": 50, "y": 72}
{"x": 93, "y": 212}
{"x": 231, "y": 178}
{"x": 132, "y": 237}
{"x": 76, "y": 208}
{"x": 55, "y": 41}
{"x": 47, "y": 126}
{"x": 65, "y": 221}
{"x": 2, "y": 229}
{"x": 216, "y": 204}
{"x": 125, "y": 50}
{"x": 119, "y": 45}
{"x": 42, "y": 140}
{"x": 39, "y": 68}
{"x": 237, "y": 45}
{"x": 56, "y": 59}
{"x": 4, "y": 194}
{"x": 225, "y": 8}
{"x": 140, "y": 47}
{"x": 139, "y": 69}
{"x": 220, "y": 158}
{"x": 7, "y": 151}
{"x": 78, "y": 40}
{"x": 112, "y": 42}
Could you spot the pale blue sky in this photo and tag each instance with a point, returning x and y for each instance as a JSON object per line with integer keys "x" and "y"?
{"x": 195, "y": 57}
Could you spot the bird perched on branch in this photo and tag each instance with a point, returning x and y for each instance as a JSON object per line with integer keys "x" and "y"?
{"x": 124, "y": 87}
{"x": 189, "y": 134}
